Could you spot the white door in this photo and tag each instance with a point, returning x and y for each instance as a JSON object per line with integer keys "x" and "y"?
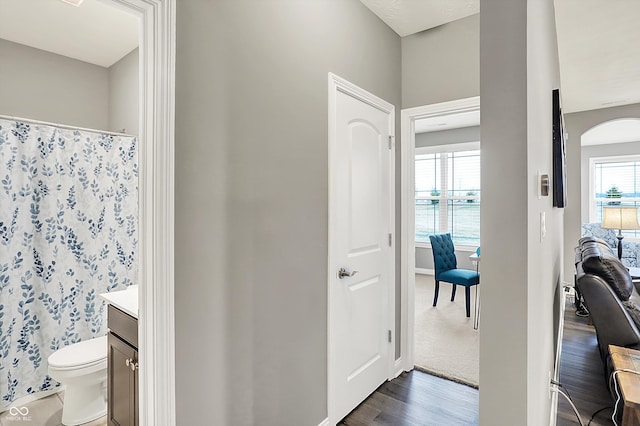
{"x": 361, "y": 214}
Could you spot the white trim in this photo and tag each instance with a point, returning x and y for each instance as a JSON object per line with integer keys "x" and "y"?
{"x": 459, "y": 248}
{"x": 325, "y": 422}
{"x": 592, "y": 204}
{"x": 156, "y": 298}
{"x": 616, "y": 158}
{"x": 397, "y": 368}
{"x": 443, "y": 204}
{"x": 556, "y": 373}
{"x": 452, "y": 147}
{"x": 562, "y": 302}
{"x": 425, "y": 271}
{"x": 592, "y": 172}
{"x": 465, "y": 248}
{"x": 336, "y": 84}
{"x": 339, "y": 83}
{"x": 407, "y": 212}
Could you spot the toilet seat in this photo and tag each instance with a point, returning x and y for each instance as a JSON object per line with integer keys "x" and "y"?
{"x": 85, "y": 354}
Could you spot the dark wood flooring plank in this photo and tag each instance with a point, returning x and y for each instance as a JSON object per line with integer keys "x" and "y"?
{"x": 420, "y": 399}
{"x": 581, "y": 372}
{"x": 417, "y": 399}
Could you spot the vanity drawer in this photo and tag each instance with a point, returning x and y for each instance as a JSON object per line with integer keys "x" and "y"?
{"x": 123, "y": 325}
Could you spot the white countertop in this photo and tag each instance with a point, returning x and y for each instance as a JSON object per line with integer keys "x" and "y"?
{"x": 125, "y": 300}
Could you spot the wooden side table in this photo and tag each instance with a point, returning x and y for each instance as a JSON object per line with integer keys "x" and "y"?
{"x": 628, "y": 383}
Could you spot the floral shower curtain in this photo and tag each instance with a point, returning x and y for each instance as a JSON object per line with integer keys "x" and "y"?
{"x": 68, "y": 231}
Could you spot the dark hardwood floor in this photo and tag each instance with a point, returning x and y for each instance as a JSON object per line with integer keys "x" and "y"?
{"x": 581, "y": 373}
{"x": 418, "y": 398}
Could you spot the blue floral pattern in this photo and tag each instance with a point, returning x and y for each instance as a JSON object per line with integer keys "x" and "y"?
{"x": 68, "y": 231}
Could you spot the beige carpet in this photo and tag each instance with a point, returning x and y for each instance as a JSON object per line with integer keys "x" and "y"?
{"x": 445, "y": 342}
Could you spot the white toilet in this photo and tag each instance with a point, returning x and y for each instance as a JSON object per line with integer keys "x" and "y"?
{"x": 82, "y": 368}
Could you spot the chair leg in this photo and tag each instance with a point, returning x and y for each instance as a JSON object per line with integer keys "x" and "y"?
{"x": 453, "y": 292}
{"x": 435, "y": 295}
{"x": 467, "y": 299}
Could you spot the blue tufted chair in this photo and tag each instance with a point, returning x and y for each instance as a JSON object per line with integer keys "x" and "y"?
{"x": 445, "y": 263}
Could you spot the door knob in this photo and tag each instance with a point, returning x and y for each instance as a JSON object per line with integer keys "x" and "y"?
{"x": 342, "y": 273}
{"x": 131, "y": 364}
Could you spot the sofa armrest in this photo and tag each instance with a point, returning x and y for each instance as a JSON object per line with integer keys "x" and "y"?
{"x": 595, "y": 230}
{"x": 613, "y": 324}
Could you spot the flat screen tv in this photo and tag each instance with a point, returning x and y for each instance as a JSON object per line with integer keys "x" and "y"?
{"x": 559, "y": 154}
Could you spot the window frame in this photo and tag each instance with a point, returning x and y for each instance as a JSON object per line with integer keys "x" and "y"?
{"x": 444, "y": 198}
{"x": 592, "y": 171}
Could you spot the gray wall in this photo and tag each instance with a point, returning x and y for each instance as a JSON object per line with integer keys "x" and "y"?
{"x": 424, "y": 256}
{"x": 441, "y": 64}
{"x": 520, "y": 273}
{"x": 576, "y": 124}
{"x": 438, "y": 65}
{"x": 45, "y": 86}
{"x": 251, "y": 199}
{"x": 124, "y": 94}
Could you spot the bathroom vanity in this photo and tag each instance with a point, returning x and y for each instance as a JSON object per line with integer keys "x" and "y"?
{"x": 122, "y": 382}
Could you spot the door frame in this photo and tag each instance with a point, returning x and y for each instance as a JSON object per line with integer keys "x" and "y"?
{"x": 338, "y": 84}
{"x": 408, "y": 118}
{"x": 157, "y": 29}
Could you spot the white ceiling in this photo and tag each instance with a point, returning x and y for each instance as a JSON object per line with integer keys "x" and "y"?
{"x": 406, "y": 17}
{"x": 599, "y": 50}
{"x": 93, "y": 32}
{"x": 598, "y": 43}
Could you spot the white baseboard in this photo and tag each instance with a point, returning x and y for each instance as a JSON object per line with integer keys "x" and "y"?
{"x": 325, "y": 422}
{"x": 553, "y": 418}
{"x": 425, "y": 271}
{"x": 553, "y": 415}
{"x": 397, "y": 367}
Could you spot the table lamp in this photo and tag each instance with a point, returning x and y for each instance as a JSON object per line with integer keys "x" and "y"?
{"x": 620, "y": 218}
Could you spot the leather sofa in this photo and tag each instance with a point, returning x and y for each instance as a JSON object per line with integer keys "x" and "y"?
{"x": 630, "y": 249}
{"x": 609, "y": 294}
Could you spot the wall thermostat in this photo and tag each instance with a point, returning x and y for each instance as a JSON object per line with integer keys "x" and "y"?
{"x": 544, "y": 185}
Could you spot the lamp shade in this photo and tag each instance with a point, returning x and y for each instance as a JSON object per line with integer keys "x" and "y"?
{"x": 620, "y": 218}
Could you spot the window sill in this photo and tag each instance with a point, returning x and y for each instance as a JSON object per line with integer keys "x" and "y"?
{"x": 459, "y": 247}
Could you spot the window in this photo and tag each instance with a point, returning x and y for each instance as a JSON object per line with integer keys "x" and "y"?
{"x": 615, "y": 181}
{"x": 448, "y": 193}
